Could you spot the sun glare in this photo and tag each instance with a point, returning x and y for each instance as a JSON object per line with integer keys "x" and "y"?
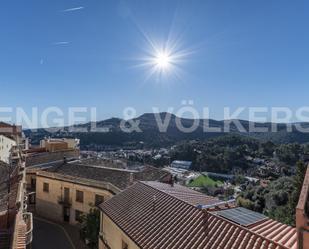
{"x": 162, "y": 60}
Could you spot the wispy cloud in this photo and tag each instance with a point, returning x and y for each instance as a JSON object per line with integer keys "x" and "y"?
{"x": 73, "y": 9}
{"x": 61, "y": 43}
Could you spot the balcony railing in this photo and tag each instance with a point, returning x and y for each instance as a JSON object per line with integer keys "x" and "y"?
{"x": 65, "y": 201}
{"x": 29, "y": 222}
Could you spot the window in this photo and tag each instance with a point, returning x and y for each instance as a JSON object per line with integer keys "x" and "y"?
{"x": 124, "y": 245}
{"x": 33, "y": 183}
{"x": 99, "y": 199}
{"x": 79, "y": 196}
{"x": 45, "y": 187}
{"x": 78, "y": 216}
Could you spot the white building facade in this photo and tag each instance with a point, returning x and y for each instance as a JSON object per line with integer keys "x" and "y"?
{"x": 6, "y": 146}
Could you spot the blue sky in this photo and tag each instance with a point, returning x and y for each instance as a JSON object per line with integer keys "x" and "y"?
{"x": 85, "y": 53}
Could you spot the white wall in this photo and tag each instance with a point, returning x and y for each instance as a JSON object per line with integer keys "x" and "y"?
{"x": 6, "y": 145}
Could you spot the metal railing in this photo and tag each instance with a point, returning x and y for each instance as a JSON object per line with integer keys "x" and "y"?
{"x": 28, "y": 218}
{"x": 64, "y": 201}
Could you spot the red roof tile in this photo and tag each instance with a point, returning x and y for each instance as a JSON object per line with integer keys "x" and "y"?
{"x": 156, "y": 215}
{"x": 276, "y": 231}
{"x": 183, "y": 193}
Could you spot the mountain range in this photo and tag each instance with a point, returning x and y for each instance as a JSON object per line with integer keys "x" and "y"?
{"x": 146, "y": 132}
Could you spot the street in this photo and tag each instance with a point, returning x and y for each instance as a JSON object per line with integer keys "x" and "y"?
{"x": 49, "y": 236}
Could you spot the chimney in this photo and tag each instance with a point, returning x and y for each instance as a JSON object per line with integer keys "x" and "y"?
{"x": 131, "y": 179}
{"x": 302, "y": 215}
{"x": 172, "y": 181}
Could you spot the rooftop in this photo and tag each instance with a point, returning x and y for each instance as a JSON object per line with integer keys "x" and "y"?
{"x": 157, "y": 215}
{"x": 184, "y": 194}
{"x": 9, "y": 129}
{"x": 186, "y": 163}
{"x": 120, "y": 178}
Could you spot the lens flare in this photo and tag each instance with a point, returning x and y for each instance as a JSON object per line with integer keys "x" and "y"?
{"x": 162, "y": 60}
{"x": 163, "y": 64}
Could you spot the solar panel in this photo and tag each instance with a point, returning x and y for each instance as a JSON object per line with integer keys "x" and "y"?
{"x": 242, "y": 216}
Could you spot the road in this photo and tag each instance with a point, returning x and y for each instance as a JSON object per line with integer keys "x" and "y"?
{"x": 47, "y": 235}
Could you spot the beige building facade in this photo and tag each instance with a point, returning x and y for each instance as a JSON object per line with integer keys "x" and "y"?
{"x": 64, "y": 199}
{"x": 111, "y": 236}
{"x": 52, "y": 144}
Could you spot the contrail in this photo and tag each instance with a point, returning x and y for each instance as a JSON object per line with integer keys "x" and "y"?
{"x": 73, "y": 9}
{"x": 60, "y": 43}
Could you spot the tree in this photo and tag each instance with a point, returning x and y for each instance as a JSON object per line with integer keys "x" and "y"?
{"x": 298, "y": 184}
{"x": 289, "y": 153}
{"x": 91, "y": 228}
{"x": 300, "y": 176}
{"x": 268, "y": 148}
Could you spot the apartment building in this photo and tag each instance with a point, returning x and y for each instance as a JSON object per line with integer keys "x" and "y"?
{"x": 16, "y": 223}
{"x": 59, "y": 144}
{"x": 157, "y": 215}
{"x": 67, "y": 191}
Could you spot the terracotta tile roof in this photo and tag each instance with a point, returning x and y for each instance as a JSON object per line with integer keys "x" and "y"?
{"x": 9, "y": 129}
{"x": 274, "y": 230}
{"x": 154, "y": 216}
{"x": 185, "y": 194}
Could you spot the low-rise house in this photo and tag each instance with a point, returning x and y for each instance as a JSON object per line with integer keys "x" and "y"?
{"x": 155, "y": 215}
{"x": 181, "y": 164}
{"x": 39, "y": 158}
{"x": 64, "y": 192}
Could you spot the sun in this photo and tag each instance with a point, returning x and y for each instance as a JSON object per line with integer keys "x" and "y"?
{"x": 162, "y": 60}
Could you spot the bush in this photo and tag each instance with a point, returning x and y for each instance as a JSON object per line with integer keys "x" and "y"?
{"x": 91, "y": 228}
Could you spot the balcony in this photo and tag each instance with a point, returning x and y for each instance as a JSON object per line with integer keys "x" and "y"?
{"x": 29, "y": 222}
{"x": 67, "y": 202}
